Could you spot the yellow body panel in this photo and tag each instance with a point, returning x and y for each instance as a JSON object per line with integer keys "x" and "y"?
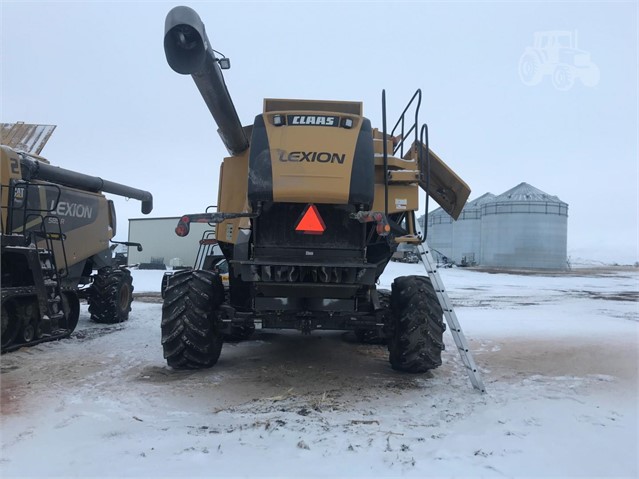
{"x": 312, "y": 181}
{"x": 401, "y": 198}
{"x": 232, "y": 196}
{"x": 76, "y": 245}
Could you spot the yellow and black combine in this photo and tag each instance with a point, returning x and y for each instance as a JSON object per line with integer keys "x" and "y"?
{"x": 55, "y": 233}
{"x": 312, "y": 204}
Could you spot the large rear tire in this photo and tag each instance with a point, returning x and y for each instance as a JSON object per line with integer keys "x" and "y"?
{"x": 110, "y": 296}
{"x": 191, "y": 328}
{"x": 416, "y": 342}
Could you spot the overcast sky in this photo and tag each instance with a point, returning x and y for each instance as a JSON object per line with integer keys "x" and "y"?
{"x": 98, "y": 71}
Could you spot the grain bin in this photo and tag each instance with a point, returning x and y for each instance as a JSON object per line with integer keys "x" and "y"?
{"x": 524, "y": 228}
{"x": 459, "y": 241}
{"x": 467, "y": 232}
{"x": 440, "y": 234}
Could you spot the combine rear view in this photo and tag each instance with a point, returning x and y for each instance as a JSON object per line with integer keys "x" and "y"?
{"x": 312, "y": 203}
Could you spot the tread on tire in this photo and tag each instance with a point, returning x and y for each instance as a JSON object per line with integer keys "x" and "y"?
{"x": 110, "y": 296}
{"x": 416, "y": 342}
{"x": 191, "y": 329}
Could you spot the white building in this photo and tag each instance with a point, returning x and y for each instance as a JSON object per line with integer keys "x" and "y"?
{"x": 159, "y": 241}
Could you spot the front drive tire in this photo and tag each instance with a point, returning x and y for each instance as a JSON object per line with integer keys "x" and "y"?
{"x": 191, "y": 328}
{"x": 416, "y": 342}
{"x": 110, "y": 296}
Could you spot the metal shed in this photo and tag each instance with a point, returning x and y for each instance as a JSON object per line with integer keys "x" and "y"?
{"x": 159, "y": 241}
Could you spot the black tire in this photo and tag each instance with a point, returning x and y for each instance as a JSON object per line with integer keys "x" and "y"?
{"x": 165, "y": 282}
{"x": 110, "y": 296}
{"x": 416, "y": 341}
{"x": 191, "y": 328}
{"x": 377, "y": 335}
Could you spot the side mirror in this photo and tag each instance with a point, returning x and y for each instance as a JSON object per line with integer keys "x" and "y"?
{"x": 225, "y": 63}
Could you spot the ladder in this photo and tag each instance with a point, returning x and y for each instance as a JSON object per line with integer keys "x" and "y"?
{"x": 451, "y": 317}
{"x": 54, "y": 309}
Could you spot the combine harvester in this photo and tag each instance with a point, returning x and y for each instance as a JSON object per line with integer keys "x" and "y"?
{"x": 312, "y": 204}
{"x": 56, "y": 228}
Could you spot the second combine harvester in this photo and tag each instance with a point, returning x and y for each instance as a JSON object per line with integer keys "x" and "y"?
{"x": 312, "y": 204}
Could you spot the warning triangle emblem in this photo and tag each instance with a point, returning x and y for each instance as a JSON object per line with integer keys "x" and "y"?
{"x": 310, "y": 223}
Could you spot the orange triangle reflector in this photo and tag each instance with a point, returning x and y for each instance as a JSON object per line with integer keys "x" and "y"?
{"x": 311, "y": 223}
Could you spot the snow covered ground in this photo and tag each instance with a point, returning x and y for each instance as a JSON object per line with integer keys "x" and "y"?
{"x": 558, "y": 355}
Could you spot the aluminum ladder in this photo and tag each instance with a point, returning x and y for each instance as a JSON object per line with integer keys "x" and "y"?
{"x": 451, "y": 317}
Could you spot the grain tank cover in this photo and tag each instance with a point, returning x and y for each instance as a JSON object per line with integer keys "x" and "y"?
{"x": 26, "y": 137}
{"x": 311, "y": 151}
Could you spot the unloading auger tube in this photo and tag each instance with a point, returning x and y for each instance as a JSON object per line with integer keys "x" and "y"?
{"x": 188, "y": 51}
{"x": 37, "y": 170}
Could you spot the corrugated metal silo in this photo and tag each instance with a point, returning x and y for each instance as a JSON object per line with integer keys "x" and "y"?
{"x": 440, "y": 233}
{"x": 466, "y": 232}
{"x": 459, "y": 240}
{"x": 524, "y": 228}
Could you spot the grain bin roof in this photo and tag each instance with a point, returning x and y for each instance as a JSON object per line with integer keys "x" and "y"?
{"x": 524, "y": 192}
{"x": 477, "y": 202}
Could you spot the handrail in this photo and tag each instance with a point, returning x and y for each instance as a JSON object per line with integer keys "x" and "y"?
{"x": 423, "y": 147}
{"x": 401, "y": 122}
{"x": 385, "y": 150}
{"x": 403, "y": 135}
{"x": 204, "y": 249}
{"x": 26, "y": 211}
